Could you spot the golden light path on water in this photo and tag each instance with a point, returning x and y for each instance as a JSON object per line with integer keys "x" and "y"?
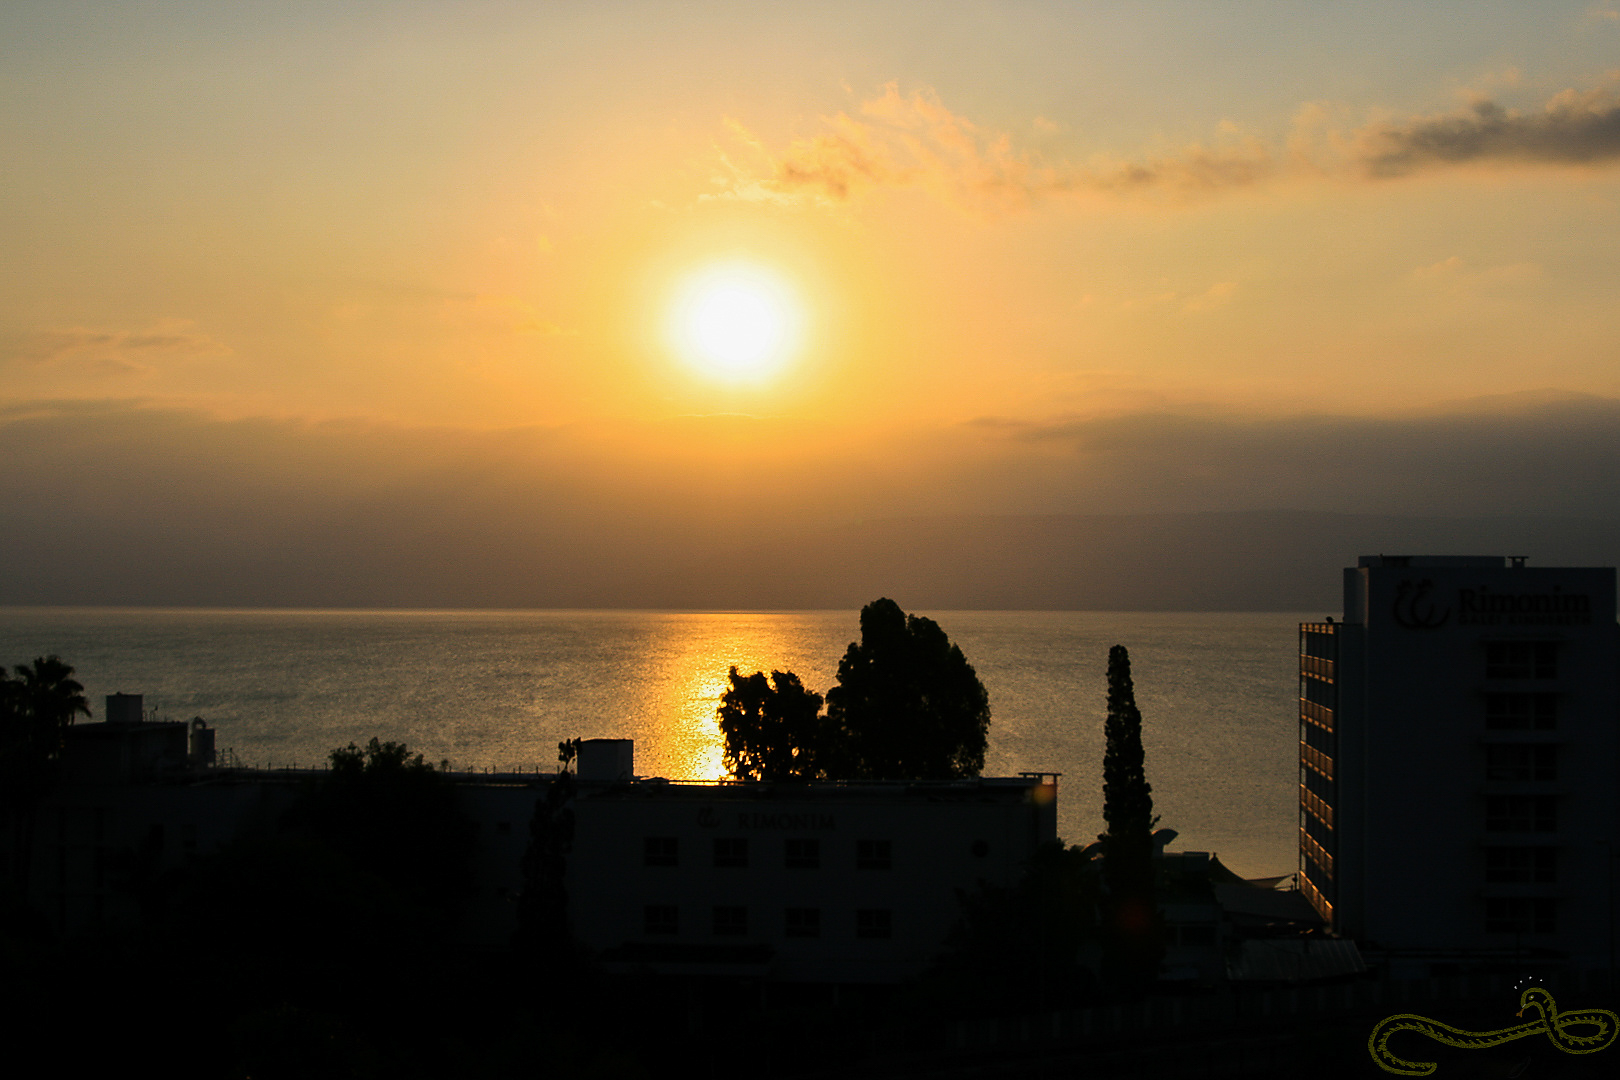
{"x": 682, "y": 739}
{"x": 498, "y": 690}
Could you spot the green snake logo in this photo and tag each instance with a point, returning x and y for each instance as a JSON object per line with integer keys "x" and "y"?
{"x": 1601, "y": 1024}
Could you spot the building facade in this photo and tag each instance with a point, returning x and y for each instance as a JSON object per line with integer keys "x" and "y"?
{"x": 824, "y": 883}
{"x": 1459, "y": 751}
{"x": 833, "y": 883}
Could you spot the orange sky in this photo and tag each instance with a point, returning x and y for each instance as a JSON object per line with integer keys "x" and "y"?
{"x": 1001, "y": 221}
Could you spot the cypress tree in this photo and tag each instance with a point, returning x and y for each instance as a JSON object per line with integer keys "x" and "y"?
{"x": 1134, "y": 939}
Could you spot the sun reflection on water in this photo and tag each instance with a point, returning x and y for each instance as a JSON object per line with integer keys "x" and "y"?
{"x": 682, "y": 738}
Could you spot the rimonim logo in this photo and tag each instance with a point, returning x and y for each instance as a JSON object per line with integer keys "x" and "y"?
{"x": 1415, "y": 609}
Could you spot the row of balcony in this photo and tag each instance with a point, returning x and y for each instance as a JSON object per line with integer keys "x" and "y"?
{"x": 1316, "y": 759}
{"x": 1314, "y": 803}
{"x": 1308, "y": 844}
{"x": 1319, "y": 666}
{"x": 1320, "y": 715}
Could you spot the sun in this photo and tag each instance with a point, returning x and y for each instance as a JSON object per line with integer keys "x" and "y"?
{"x": 736, "y": 322}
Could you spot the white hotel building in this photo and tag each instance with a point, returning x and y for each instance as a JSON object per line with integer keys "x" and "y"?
{"x": 825, "y": 882}
{"x": 1459, "y": 759}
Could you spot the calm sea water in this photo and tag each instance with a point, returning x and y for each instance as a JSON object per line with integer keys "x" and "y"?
{"x": 499, "y": 689}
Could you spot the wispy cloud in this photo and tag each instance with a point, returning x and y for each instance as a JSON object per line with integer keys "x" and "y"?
{"x": 117, "y": 352}
{"x": 1456, "y": 274}
{"x": 914, "y": 140}
{"x": 898, "y": 140}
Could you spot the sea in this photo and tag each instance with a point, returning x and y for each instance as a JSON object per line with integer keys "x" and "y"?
{"x": 498, "y": 690}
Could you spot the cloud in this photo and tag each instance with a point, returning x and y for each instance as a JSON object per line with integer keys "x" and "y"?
{"x": 1457, "y": 275}
{"x": 1217, "y": 295}
{"x": 170, "y": 506}
{"x": 897, "y": 140}
{"x": 1531, "y": 454}
{"x": 1573, "y": 128}
{"x": 85, "y": 351}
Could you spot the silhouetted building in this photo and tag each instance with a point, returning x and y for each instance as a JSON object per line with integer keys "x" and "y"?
{"x": 1459, "y": 751}
{"x": 824, "y": 882}
{"x": 835, "y": 883}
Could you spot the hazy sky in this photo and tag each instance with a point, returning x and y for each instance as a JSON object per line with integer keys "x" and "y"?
{"x": 1016, "y": 258}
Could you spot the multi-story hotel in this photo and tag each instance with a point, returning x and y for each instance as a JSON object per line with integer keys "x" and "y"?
{"x": 1459, "y": 754}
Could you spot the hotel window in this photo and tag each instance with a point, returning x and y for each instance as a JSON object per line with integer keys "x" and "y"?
{"x": 661, "y": 851}
{"x": 1521, "y": 761}
{"x": 803, "y": 854}
{"x": 661, "y": 919}
{"x": 873, "y": 855}
{"x": 1521, "y": 865}
{"x": 803, "y": 922}
{"x": 1520, "y": 915}
{"x": 1521, "y": 660}
{"x": 874, "y": 923}
{"x": 731, "y": 851}
{"x": 730, "y": 922}
{"x": 1521, "y": 813}
{"x": 1521, "y": 712}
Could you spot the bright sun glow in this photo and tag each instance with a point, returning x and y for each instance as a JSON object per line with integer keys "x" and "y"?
{"x": 736, "y": 322}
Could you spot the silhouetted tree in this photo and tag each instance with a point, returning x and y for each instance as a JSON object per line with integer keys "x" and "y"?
{"x": 50, "y": 691}
{"x": 1134, "y": 943}
{"x": 775, "y": 730}
{"x": 1021, "y": 946}
{"x": 35, "y": 709}
{"x": 543, "y": 927}
{"x": 908, "y": 705}
{"x": 391, "y": 814}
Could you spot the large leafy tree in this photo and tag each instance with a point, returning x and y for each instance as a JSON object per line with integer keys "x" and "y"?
{"x": 1134, "y": 942}
{"x": 908, "y": 705}
{"x": 1021, "y": 946}
{"x": 389, "y": 813}
{"x": 775, "y": 730}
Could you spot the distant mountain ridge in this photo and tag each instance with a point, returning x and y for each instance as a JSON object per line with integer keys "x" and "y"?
{"x": 1261, "y": 560}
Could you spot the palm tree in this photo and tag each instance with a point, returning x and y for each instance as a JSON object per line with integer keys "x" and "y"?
{"x": 35, "y": 709}
{"x": 50, "y": 693}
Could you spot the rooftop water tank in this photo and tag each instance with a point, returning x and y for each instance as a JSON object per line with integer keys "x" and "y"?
{"x": 123, "y": 708}
{"x": 607, "y": 761}
{"x": 200, "y": 748}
